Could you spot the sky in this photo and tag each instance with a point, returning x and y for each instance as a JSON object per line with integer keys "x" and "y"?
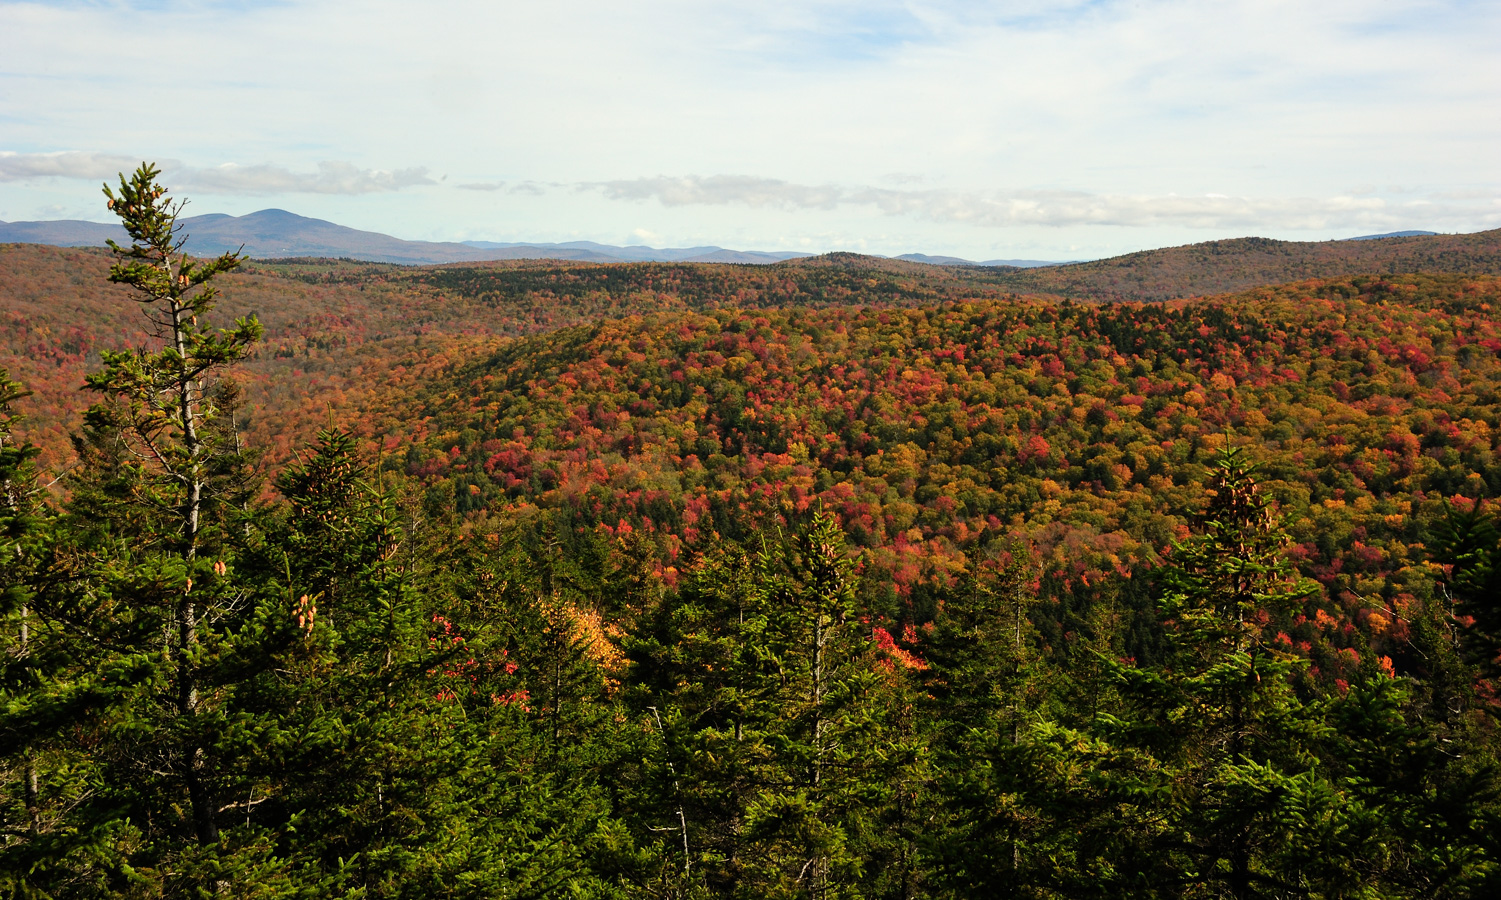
{"x": 985, "y": 130}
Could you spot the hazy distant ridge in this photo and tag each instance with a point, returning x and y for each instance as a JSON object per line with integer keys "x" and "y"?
{"x": 276, "y": 234}
{"x": 60, "y": 233}
{"x": 957, "y": 261}
{"x": 1390, "y": 234}
{"x": 635, "y": 253}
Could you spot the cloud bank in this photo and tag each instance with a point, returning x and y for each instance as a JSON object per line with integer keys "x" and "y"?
{"x": 72, "y": 164}
{"x": 331, "y": 177}
{"x": 723, "y": 190}
{"x": 1034, "y": 208}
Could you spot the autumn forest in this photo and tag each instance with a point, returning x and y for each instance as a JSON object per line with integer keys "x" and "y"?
{"x": 1169, "y": 576}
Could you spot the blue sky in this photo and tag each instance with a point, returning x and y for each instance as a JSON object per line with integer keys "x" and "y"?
{"x": 986, "y": 130}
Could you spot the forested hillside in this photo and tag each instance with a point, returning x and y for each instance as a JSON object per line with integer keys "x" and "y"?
{"x": 1221, "y": 267}
{"x": 843, "y": 578}
{"x": 330, "y": 324}
{"x": 937, "y": 433}
{"x": 348, "y": 334}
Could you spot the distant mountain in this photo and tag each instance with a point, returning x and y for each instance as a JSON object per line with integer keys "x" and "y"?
{"x": 634, "y": 253}
{"x": 1377, "y": 237}
{"x": 60, "y": 233}
{"x": 273, "y": 233}
{"x": 935, "y": 260}
{"x": 1151, "y": 274}
{"x": 278, "y": 234}
{"x": 956, "y": 261}
{"x": 1025, "y": 263}
{"x": 267, "y": 234}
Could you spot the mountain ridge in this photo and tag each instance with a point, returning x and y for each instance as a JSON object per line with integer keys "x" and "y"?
{"x": 279, "y": 234}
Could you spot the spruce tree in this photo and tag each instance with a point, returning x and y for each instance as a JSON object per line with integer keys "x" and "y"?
{"x": 159, "y": 405}
{"x": 981, "y": 692}
{"x": 759, "y": 683}
{"x": 31, "y": 790}
{"x": 137, "y": 611}
{"x": 702, "y": 685}
{"x": 1194, "y": 781}
{"x": 1223, "y": 771}
{"x": 1468, "y": 544}
{"x": 357, "y": 759}
{"x": 158, "y": 417}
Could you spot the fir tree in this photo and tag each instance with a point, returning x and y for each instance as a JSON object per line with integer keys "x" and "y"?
{"x": 159, "y": 413}
{"x": 1468, "y": 544}
{"x": 141, "y": 600}
{"x": 30, "y": 788}
{"x": 759, "y": 683}
{"x": 983, "y": 687}
{"x": 1197, "y": 779}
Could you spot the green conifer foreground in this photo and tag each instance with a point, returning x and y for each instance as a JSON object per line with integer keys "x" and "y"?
{"x": 1221, "y": 772}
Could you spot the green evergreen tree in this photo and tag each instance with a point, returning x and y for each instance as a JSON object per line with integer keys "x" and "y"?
{"x": 983, "y": 688}
{"x": 34, "y": 774}
{"x": 355, "y": 761}
{"x": 759, "y": 681}
{"x": 418, "y": 738}
{"x": 1468, "y": 544}
{"x": 1239, "y": 741}
{"x": 141, "y": 603}
{"x": 158, "y": 411}
{"x": 1191, "y": 783}
{"x": 702, "y": 684}
{"x": 1218, "y": 774}
{"x": 537, "y": 685}
{"x": 19, "y": 507}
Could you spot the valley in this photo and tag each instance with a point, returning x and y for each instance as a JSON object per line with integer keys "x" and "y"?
{"x": 678, "y": 579}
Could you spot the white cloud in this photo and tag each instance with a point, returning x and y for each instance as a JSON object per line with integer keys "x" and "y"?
{"x": 719, "y": 190}
{"x": 72, "y": 164}
{"x": 1057, "y": 209}
{"x": 256, "y": 180}
{"x": 330, "y": 178}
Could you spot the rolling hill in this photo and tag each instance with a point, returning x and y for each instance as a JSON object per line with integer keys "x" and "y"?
{"x": 343, "y": 334}
{"x": 1218, "y": 267}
